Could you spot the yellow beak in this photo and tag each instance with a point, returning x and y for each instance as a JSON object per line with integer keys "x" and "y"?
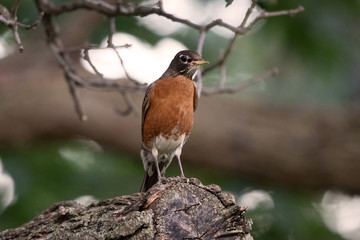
{"x": 200, "y": 62}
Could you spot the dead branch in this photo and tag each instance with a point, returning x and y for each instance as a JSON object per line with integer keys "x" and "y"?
{"x": 250, "y": 82}
{"x": 193, "y": 211}
{"x": 48, "y": 11}
{"x": 10, "y": 20}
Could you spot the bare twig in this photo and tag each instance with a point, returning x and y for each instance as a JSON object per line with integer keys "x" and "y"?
{"x": 112, "y": 46}
{"x": 49, "y": 10}
{"x": 123, "y": 66}
{"x": 87, "y": 58}
{"x": 130, "y": 105}
{"x": 35, "y": 24}
{"x": 161, "y": 5}
{"x": 15, "y": 26}
{"x": 201, "y": 41}
{"x": 248, "y": 13}
{"x": 112, "y": 32}
{"x": 220, "y": 63}
{"x": 15, "y": 8}
{"x": 75, "y": 95}
{"x": 223, "y": 57}
{"x": 128, "y": 10}
{"x": 10, "y": 20}
{"x": 199, "y": 48}
{"x": 242, "y": 86}
{"x": 91, "y": 47}
{"x": 263, "y": 14}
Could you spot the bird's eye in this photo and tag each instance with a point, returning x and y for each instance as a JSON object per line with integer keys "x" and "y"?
{"x": 183, "y": 58}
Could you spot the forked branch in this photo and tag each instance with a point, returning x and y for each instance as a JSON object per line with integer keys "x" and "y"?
{"x": 49, "y": 10}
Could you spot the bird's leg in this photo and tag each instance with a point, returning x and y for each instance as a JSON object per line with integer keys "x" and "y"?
{"x": 158, "y": 171}
{"x": 181, "y": 169}
{"x": 178, "y": 153}
{"x": 155, "y": 153}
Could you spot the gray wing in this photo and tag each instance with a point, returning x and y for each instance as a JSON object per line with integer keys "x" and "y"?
{"x": 145, "y": 106}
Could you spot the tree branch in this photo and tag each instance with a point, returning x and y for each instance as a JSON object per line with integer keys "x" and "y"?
{"x": 264, "y": 14}
{"x": 48, "y": 10}
{"x": 193, "y": 211}
{"x": 10, "y": 20}
{"x": 220, "y": 89}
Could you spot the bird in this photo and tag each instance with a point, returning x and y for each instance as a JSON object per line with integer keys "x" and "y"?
{"x": 167, "y": 116}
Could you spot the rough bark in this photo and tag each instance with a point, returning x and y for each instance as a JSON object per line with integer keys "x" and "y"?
{"x": 177, "y": 209}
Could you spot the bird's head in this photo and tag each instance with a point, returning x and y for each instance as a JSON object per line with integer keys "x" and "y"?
{"x": 185, "y": 63}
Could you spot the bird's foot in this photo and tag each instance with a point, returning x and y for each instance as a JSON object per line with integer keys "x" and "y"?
{"x": 161, "y": 180}
{"x": 182, "y": 178}
{"x": 187, "y": 180}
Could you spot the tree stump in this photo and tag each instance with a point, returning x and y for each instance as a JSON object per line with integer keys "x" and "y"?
{"x": 177, "y": 209}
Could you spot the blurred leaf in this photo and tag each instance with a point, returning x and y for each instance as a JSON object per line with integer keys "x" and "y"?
{"x": 265, "y": 4}
{"x": 228, "y": 2}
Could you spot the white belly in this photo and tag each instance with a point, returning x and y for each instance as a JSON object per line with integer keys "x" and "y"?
{"x": 168, "y": 145}
{"x": 164, "y": 149}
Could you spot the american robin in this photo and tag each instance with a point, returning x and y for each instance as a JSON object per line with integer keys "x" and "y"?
{"x": 167, "y": 116}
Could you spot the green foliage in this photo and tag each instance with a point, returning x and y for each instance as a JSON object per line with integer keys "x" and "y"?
{"x": 228, "y": 2}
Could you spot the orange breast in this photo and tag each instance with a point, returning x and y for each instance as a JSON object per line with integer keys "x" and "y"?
{"x": 172, "y": 102}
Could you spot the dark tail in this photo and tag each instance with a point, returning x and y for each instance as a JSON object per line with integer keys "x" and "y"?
{"x": 150, "y": 177}
{"x": 148, "y": 181}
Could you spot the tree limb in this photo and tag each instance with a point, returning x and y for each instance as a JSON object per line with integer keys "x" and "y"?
{"x": 250, "y": 82}
{"x": 48, "y": 11}
{"x": 178, "y": 209}
{"x": 10, "y": 20}
{"x": 129, "y": 9}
